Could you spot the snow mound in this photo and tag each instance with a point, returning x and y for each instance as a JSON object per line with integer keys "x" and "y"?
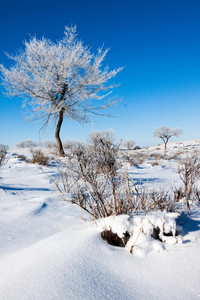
{"x": 146, "y": 232}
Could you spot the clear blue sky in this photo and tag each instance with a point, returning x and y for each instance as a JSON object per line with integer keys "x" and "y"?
{"x": 157, "y": 40}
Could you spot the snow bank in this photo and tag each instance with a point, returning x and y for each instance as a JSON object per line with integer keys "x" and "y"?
{"x": 147, "y": 232}
{"x": 47, "y": 252}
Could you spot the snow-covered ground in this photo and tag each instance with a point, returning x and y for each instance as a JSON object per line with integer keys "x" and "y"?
{"x": 47, "y": 251}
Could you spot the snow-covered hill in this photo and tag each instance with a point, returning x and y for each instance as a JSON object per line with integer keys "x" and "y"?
{"x": 47, "y": 251}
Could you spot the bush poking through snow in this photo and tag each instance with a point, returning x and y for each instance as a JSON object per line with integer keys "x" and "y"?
{"x": 93, "y": 177}
{"x": 94, "y": 168}
{"x": 136, "y": 159}
{"x": 3, "y": 152}
{"x": 22, "y": 157}
{"x": 113, "y": 239}
{"x": 141, "y": 233}
{"x": 39, "y": 157}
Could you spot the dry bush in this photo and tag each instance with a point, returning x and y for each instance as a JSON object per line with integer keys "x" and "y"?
{"x": 92, "y": 177}
{"x": 176, "y": 155}
{"x": 137, "y": 158}
{"x": 157, "y": 156}
{"x": 3, "y": 152}
{"x": 102, "y": 195}
{"x": 39, "y": 157}
{"x": 155, "y": 163}
{"x": 22, "y": 157}
{"x": 96, "y": 168}
{"x": 189, "y": 172}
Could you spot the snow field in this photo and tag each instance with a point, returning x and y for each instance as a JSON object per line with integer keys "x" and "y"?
{"x": 48, "y": 252}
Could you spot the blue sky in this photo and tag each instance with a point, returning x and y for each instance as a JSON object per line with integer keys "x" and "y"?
{"x": 158, "y": 42}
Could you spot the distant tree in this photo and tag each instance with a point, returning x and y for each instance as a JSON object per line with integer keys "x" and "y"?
{"x": 26, "y": 144}
{"x": 60, "y": 80}
{"x": 129, "y": 144}
{"x": 165, "y": 133}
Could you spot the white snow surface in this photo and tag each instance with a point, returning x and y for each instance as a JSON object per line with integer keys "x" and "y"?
{"x": 47, "y": 251}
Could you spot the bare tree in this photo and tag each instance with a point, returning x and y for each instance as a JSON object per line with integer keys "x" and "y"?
{"x": 60, "y": 80}
{"x": 129, "y": 144}
{"x": 165, "y": 133}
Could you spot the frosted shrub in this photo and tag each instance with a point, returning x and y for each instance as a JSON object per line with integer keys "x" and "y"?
{"x": 96, "y": 168}
{"x": 137, "y": 158}
{"x": 189, "y": 172}
{"x": 93, "y": 180}
{"x": 39, "y": 157}
{"x": 26, "y": 144}
{"x": 93, "y": 177}
{"x": 3, "y": 152}
{"x": 71, "y": 145}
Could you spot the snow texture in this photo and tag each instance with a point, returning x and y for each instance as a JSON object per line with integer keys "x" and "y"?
{"x": 47, "y": 251}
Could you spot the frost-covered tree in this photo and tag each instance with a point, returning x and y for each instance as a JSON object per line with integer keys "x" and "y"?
{"x": 63, "y": 79}
{"x": 26, "y": 144}
{"x": 165, "y": 133}
{"x": 129, "y": 144}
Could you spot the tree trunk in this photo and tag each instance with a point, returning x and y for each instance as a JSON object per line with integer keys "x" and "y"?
{"x": 57, "y": 133}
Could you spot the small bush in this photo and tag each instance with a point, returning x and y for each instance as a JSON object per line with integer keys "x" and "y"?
{"x": 39, "y": 157}
{"x": 157, "y": 156}
{"x": 3, "y": 152}
{"x": 189, "y": 172}
{"x": 22, "y": 157}
{"x": 92, "y": 177}
{"x": 137, "y": 158}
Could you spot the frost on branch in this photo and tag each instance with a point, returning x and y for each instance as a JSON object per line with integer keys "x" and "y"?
{"x": 58, "y": 80}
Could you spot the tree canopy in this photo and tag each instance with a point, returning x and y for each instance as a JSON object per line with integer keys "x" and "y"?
{"x": 63, "y": 79}
{"x": 165, "y": 133}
